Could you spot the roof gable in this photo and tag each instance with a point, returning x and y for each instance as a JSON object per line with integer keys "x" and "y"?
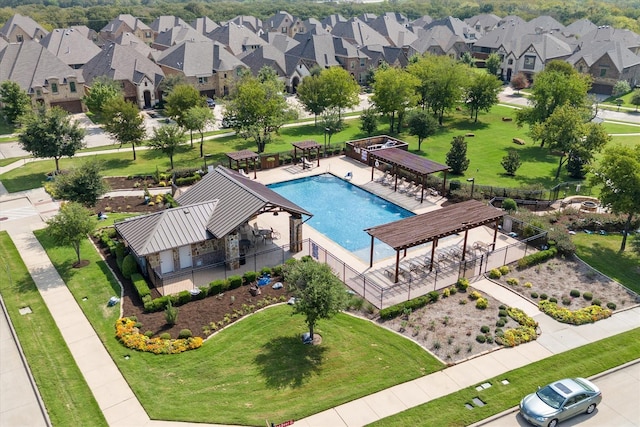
{"x": 70, "y": 45}
{"x": 122, "y": 63}
{"x": 25, "y": 23}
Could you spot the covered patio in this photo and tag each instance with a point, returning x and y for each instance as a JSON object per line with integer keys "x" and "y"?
{"x": 307, "y": 147}
{"x": 432, "y": 226}
{"x": 246, "y": 155}
{"x": 412, "y": 163}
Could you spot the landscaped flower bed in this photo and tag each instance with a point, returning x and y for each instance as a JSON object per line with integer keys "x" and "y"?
{"x": 581, "y": 316}
{"x": 129, "y": 335}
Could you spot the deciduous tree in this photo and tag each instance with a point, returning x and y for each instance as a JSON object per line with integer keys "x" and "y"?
{"x": 71, "y": 226}
{"x": 493, "y": 63}
{"x": 83, "y": 184}
{"x": 318, "y": 291}
{"x": 519, "y": 81}
{"x": 369, "y": 121}
{"x": 312, "y": 96}
{"x": 482, "y": 94}
{"x": 421, "y": 124}
{"x": 51, "y": 133}
{"x": 393, "y": 92}
{"x": 332, "y": 123}
{"x": 621, "y": 87}
{"x": 167, "y": 139}
{"x": 15, "y": 101}
{"x": 511, "y": 162}
{"x": 198, "y": 118}
{"x": 180, "y": 99}
{"x": 340, "y": 89}
{"x": 618, "y": 176}
{"x": 635, "y": 98}
{"x": 101, "y": 91}
{"x": 124, "y": 122}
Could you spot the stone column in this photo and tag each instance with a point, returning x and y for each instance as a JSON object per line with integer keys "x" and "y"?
{"x": 295, "y": 233}
{"x": 232, "y": 250}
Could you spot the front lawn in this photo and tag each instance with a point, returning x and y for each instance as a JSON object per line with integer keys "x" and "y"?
{"x": 602, "y": 253}
{"x": 256, "y": 369}
{"x": 65, "y": 393}
{"x": 584, "y": 361}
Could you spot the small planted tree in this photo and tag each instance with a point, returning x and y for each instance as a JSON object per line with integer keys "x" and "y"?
{"x": 318, "y": 291}
{"x": 170, "y": 313}
{"x": 71, "y": 226}
{"x": 511, "y": 162}
{"x": 369, "y": 121}
{"x": 167, "y": 139}
{"x": 493, "y": 63}
{"x": 457, "y": 156}
{"x": 15, "y": 101}
{"x": 422, "y": 124}
{"x": 124, "y": 122}
{"x": 83, "y": 184}
{"x": 519, "y": 82}
{"x": 621, "y": 87}
{"x": 635, "y": 98}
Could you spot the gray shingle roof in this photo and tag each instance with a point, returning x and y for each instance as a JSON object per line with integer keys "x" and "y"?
{"x": 167, "y": 22}
{"x": 199, "y": 59}
{"x": 316, "y": 48}
{"x": 396, "y": 33}
{"x": 620, "y": 55}
{"x": 204, "y": 25}
{"x": 176, "y": 35}
{"x": 25, "y": 23}
{"x": 359, "y": 33}
{"x": 168, "y": 229}
{"x": 579, "y": 28}
{"x": 30, "y": 65}
{"x": 238, "y": 38}
{"x": 127, "y": 20}
{"x": 122, "y": 63}
{"x": 71, "y": 46}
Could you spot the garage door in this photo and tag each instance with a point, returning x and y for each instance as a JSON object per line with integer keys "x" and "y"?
{"x": 73, "y": 107}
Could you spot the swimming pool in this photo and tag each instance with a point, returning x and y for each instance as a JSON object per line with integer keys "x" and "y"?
{"x": 341, "y": 211}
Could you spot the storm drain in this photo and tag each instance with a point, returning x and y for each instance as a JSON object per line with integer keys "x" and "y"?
{"x": 478, "y": 402}
{"x": 483, "y": 386}
{"x": 25, "y": 310}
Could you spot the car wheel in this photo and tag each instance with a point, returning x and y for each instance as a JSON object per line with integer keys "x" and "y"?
{"x": 553, "y": 423}
{"x": 591, "y": 408}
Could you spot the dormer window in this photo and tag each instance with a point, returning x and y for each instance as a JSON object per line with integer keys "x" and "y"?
{"x": 19, "y": 38}
{"x": 54, "y": 87}
{"x": 72, "y": 87}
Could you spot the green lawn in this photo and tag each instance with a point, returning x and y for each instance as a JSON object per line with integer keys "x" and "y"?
{"x": 584, "y": 361}
{"x": 67, "y": 397}
{"x": 256, "y": 369}
{"x": 601, "y": 252}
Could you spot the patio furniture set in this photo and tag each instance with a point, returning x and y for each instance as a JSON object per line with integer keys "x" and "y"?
{"x": 405, "y": 186}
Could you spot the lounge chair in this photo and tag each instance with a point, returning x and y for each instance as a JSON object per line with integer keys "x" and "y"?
{"x": 306, "y": 163}
{"x": 414, "y": 190}
{"x": 382, "y": 178}
{"x": 348, "y": 176}
{"x": 243, "y": 173}
{"x": 404, "y": 185}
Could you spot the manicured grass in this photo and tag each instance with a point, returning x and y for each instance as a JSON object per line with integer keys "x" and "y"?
{"x": 8, "y": 161}
{"x": 64, "y": 391}
{"x": 601, "y": 252}
{"x": 584, "y": 361}
{"x": 256, "y": 369}
{"x": 113, "y": 217}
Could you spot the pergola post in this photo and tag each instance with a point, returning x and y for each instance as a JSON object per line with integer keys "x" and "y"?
{"x": 495, "y": 234}
{"x": 397, "y": 266}
{"x": 464, "y": 245}
{"x": 444, "y": 184}
{"x": 434, "y": 243}
{"x": 371, "y": 253}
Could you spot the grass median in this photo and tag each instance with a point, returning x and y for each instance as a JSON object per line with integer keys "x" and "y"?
{"x": 583, "y": 361}
{"x": 67, "y": 397}
{"x": 254, "y": 370}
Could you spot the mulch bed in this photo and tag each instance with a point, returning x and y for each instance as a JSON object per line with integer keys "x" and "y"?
{"x": 125, "y": 204}
{"x": 193, "y": 315}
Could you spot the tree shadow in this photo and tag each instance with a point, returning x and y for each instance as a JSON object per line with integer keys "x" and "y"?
{"x": 108, "y": 164}
{"x": 287, "y": 362}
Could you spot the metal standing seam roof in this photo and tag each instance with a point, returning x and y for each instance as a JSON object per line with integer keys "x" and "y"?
{"x": 168, "y": 229}
{"x": 413, "y": 231}
{"x": 408, "y": 161}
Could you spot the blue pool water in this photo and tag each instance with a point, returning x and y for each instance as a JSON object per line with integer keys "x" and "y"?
{"x": 341, "y": 211}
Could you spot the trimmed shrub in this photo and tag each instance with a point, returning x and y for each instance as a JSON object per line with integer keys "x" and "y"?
{"x": 249, "y": 277}
{"x": 521, "y": 317}
{"x": 218, "y": 286}
{"x": 566, "y": 300}
{"x": 509, "y": 205}
{"x": 611, "y": 305}
{"x": 574, "y": 293}
{"x": 433, "y": 296}
{"x": 129, "y": 266}
{"x": 185, "y": 333}
{"x": 148, "y": 334}
{"x": 528, "y": 285}
{"x": 500, "y": 322}
{"x": 489, "y": 339}
{"x": 202, "y": 294}
{"x": 265, "y": 271}
{"x": 534, "y": 295}
{"x": 475, "y": 295}
{"x": 495, "y": 274}
{"x": 277, "y": 270}
{"x": 165, "y": 336}
{"x": 543, "y": 296}
{"x": 587, "y": 296}
{"x": 453, "y": 290}
{"x": 183, "y": 297}
{"x": 235, "y": 282}
{"x": 446, "y": 292}
{"x": 512, "y": 281}
{"x": 504, "y": 270}
{"x": 462, "y": 284}
{"x": 516, "y": 336}
{"x": 482, "y": 303}
{"x": 553, "y": 300}
{"x": 537, "y": 257}
{"x": 502, "y": 312}
{"x": 141, "y": 285}
{"x": 399, "y": 309}
{"x": 481, "y": 339}
{"x": 502, "y": 307}
{"x": 596, "y": 302}
{"x": 484, "y": 329}
{"x": 157, "y": 304}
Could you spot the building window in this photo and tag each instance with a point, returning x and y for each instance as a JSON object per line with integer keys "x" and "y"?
{"x": 72, "y": 87}
{"x": 38, "y": 93}
{"x": 362, "y": 62}
{"x": 284, "y": 29}
{"x": 225, "y": 75}
{"x": 603, "y": 72}
{"x": 353, "y": 65}
{"x": 19, "y": 38}
{"x": 54, "y": 87}
{"x": 580, "y": 69}
{"x": 147, "y": 34}
{"x": 510, "y": 61}
{"x": 203, "y": 80}
{"x": 529, "y": 62}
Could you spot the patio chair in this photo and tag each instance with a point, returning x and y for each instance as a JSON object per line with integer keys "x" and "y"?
{"x": 306, "y": 163}
{"x": 243, "y": 173}
{"x": 414, "y": 190}
{"x": 404, "y": 185}
{"x": 382, "y": 178}
{"x": 348, "y": 176}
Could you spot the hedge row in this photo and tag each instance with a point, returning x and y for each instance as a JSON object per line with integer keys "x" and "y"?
{"x": 398, "y": 309}
{"x": 537, "y": 257}
{"x": 140, "y": 284}
{"x": 589, "y": 314}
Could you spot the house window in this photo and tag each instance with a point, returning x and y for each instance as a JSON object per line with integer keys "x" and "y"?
{"x": 529, "y": 62}
{"x": 362, "y": 62}
{"x": 510, "y": 62}
{"x": 147, "y": 34}
{"x": 38, "y": 93}
{"x": 580, "y": 69}
{"x": 203, "y": 80}
{"x": 603, "y": 72}
{"x": 238, "y": 71}
{"x": 19, "y": 38}
{"x": 353, "y": 65}
{"x": 54, "y": 87}
{"x": 284, "y": 29}
{"x": 72, "y": 87}
{"x": 225, "y": 75}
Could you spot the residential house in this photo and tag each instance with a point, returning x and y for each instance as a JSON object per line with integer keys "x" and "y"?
{"x": 71, "y": 46}
{"x": 280, "y": 41}
{"x": 438, "y": 40}
{"x": 423, "y": 21}
{"x": 330, "y": 21}
{"x": 397, "y": 33}
{"x": 237, "y": 38}
{"x": 86, "y": 32}
{"x": 394, "y": 56}
{"x": 176, "y": 35}
{"x": 313, "y": 26}
{"x": 44, "y": 76}
{"x": 206, "y": 65}
{"x": 21, "y": 28}
{"x": 138, "y": 75}
{"x": 251, "y": 22}
{"x": 458, "y": 27}
{"x": 131, "y": 40}
{"x": 204, "y": 25}
{"x": 483, "y": 23}
{"x": 290, "y": 69}
{"x": 165, "y": 23}
{"x": 358, "y": 33}
{"x": 206, "y": 230}
{"x": 284, "y": 23}
{"x": 607, "y": 62}
{"x": 126, "y": 23}
{"x": 579, "y": 28}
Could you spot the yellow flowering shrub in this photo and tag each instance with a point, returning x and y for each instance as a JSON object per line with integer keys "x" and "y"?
{"x": 130, "y": 337}
{"x": 589, "y": 314}
{"x": 524, "y": 333}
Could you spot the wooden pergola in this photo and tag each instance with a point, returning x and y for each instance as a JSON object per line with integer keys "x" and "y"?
{"x": 432, "y": 226}
{"x": 412, "y": 163}
{"x": 245, "y": 155}
{"x": 306, "y": 147}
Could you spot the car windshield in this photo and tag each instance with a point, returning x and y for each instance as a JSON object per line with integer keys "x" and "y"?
{"x": 550, "y": 397}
